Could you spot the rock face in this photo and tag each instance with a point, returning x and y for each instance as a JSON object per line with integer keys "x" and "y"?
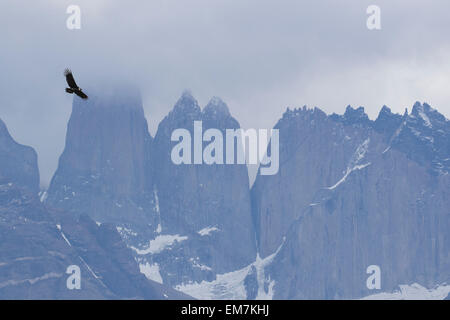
{"x": 184, "y": 222}
{"x": 38, "y": 244}
{"x": 105, "y": 169}
{"x": 351, "y": 193}
{"x": 18, "y": 163}
{"x": 424, "y": 137}
{"x": 208, "y": 204}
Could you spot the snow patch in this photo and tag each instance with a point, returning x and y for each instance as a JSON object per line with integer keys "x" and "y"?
{"x": 125, "y": 232}
{"x": 63, "y": 235}
{"x": 43, "y": 196}
{"x": 90, "y": 270}
{"x": 413, "y": 292}
{"x": 155, "y": 193}
{"x": 424, "y": 117}
{"x": 260, "y": 265}
{"x": 160, "y": 243}
{"x": 207, "y": 231}
{"x": 151, "y": 271}
{"x": 422, "y": 137}
{"x": 353, "y": 164}
{"x": 199, "y": 265}
{"x": 361, "y": 151}
{"x": 32, "y": 281}
{"x": 230, "y": 286}
{"x": 357, "y": 167}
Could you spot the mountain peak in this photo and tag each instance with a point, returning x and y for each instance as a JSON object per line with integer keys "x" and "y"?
{"x": 417, "y": 108}
{"x": 385, "y": 114}
{"x": 421, "y": 111}
{"x": 216, "y": 106}
{"x": 352, "y": 113}
{"x": 18, "y": 163}
{"x": 186, "y": 103}
{"x": 429, "y": 117}
{"x": 3, "y": 128}
{"x": 385, "y": 110}
{"x": 105, "y": 159}
{"x": 187, "y": 94}
{"x": 387, "y": 122}
{"x": 352, "y": 116}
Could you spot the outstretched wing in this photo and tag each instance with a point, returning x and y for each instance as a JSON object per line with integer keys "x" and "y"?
{"x": 69, "y": 78}
{"x": 81, "y": 94}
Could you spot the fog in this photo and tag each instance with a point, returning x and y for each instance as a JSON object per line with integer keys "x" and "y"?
{"x": 259, "y": 56}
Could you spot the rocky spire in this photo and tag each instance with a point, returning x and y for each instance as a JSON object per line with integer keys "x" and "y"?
{"x": 105, "y": 169}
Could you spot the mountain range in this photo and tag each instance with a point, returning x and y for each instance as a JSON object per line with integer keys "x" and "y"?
{"x": 350, "y": 192}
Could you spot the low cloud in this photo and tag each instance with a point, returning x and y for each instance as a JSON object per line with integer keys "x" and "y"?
{"x": 259, "y": 56}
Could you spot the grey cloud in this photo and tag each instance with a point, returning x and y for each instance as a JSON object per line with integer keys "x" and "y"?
{"x": 259, "y": 56}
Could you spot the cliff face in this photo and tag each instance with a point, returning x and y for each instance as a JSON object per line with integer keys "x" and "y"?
{"x": 38, "y": 243}
{"x": 193, "y": 197}
{"x": 199, "y": 216}
{"x": 353, "y": 193}
{"x": 105, "y": 168}
{"x": 349, "y": 193}
{"x": 209, "y": 204}
{"x": 18, "y": 163}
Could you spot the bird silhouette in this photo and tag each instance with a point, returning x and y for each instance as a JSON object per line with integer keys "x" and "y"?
{"x": 73, "y": 87}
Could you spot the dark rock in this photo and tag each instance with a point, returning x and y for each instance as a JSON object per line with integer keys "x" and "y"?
{"x": 251, "y": 284}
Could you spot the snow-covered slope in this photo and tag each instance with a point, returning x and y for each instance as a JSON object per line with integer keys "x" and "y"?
{"x": 413, "y": 292}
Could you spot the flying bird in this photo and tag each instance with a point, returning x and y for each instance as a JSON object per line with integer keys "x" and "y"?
{"x": 74, "y": 88}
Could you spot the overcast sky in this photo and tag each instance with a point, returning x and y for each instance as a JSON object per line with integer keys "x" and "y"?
{"x": 259, "y": 56}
